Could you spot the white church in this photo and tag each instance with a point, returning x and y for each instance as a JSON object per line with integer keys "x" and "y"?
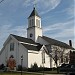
{"x": 36, "y": 48}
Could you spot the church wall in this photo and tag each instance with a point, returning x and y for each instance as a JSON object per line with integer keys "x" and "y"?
{"x": 36, "y": 57}
{"x": 35, "y": 32}
{"x": 38, "y": 32}
{"x": 18, "y": 51}
{"x": 12, "y": 52}
{"x": 31, "y": 31}
{"x": 42, "y": 41}
{"x": 38, "y": 18}
{"x": 7, "y": 53}
{"x": 2, "y": 57}
{"x": 23, "y": 52}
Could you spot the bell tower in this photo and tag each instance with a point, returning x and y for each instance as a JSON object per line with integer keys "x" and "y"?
{"x": 34, "y": 26}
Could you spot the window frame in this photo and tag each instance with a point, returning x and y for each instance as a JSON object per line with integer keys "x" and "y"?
{"x": 11, "y": 46}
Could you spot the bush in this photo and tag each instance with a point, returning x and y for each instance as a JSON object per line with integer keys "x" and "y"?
{"x": 2, "y": 67}
{"x": 24, "y": 68}
{"x": 21, "y": 68}
{"x": 35, "y": 68}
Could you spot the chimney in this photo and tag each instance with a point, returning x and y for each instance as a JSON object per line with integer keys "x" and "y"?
{"x": 70, "y": 43}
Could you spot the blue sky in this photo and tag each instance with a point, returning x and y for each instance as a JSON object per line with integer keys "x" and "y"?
{"x": 57, "y": 18}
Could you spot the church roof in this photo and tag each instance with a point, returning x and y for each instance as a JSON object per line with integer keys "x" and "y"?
{"x": 28, "y": 43}
{"x": 32, "y": 47}
{"x": 34, "y": 13}
{"x": 23, "y": 39}
{"x": 56, "y": 42}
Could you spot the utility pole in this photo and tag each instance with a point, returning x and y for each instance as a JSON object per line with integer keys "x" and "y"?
{"x": 43, "y": 59}
{"x": 21, "y": 63}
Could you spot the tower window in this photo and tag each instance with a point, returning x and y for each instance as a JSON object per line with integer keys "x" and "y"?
{"x": 32, "y": 22}
{"x": 31, "y": 35}
{"x": 11, "y": 46}
{"x": 38, "y": 23}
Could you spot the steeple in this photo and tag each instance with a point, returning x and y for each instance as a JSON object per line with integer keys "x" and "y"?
{"x": 34, "y": 29}
{"x": 34, "y": 13}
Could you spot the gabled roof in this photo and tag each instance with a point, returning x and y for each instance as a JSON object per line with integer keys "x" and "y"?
{"x": 56, "y": 42}
{"x": 28, "y": 43}
{"x": 34, "y": 13}
{"x": 32, "y": 47}
{"x": 23, "y": 39}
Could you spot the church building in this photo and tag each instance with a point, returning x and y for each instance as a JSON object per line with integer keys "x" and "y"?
{"x": 36, "y": 48}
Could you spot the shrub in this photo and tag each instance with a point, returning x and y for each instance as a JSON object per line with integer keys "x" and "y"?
{"x": 34, "y": 68}
{"x": 21, "y": 68}
{"x": 2, "y": 66}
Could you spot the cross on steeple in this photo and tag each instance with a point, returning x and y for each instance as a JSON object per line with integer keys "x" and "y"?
{"x": 35, "y": 3}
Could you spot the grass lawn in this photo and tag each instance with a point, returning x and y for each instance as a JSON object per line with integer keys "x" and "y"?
{"x": 34, "y": 73}
{"x": 12, "y": 73}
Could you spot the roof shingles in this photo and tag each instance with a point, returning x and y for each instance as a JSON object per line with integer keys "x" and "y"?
{"x": 34, "y": 13}
{"x": 28, "y": 43}
{"x": 56, "y": 42}
{"x": 32, "y": 47}
{"x": 23, "y": 39}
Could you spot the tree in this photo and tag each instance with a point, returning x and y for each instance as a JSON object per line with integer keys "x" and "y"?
{"x": 57, "y": 53}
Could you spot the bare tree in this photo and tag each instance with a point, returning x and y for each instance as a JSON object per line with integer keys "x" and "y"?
{"x": 59, "y": 53}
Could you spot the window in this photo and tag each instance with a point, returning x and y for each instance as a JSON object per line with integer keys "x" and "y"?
{"x": 43, "y": 56}
{"x": 29, "y": 23}
{"x": 11, "y": 46}
{"x": 31, "y": 35}
{"x": 32, "y": 22}
{"x": 38, "y": 23}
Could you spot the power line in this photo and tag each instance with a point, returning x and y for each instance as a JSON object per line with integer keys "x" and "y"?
{"x": 1, "y": 1}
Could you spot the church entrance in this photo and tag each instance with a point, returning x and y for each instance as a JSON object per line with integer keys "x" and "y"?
{"x": 11, "y": 63}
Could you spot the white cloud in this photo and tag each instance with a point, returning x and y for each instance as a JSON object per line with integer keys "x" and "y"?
{"x": 48, "y": 5}
{"x": 69, "y": 11}
{"x": 19, "y": 30}
{"x": 6, "y": 30}
{"x": 65, "y": 31}
{"x": 26, "y": 3}
{"x": 59, "y": 26}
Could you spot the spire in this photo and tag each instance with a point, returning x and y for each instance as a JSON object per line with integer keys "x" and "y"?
{"x": 34, "y": 3}
{"x": 34, "y": 13}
